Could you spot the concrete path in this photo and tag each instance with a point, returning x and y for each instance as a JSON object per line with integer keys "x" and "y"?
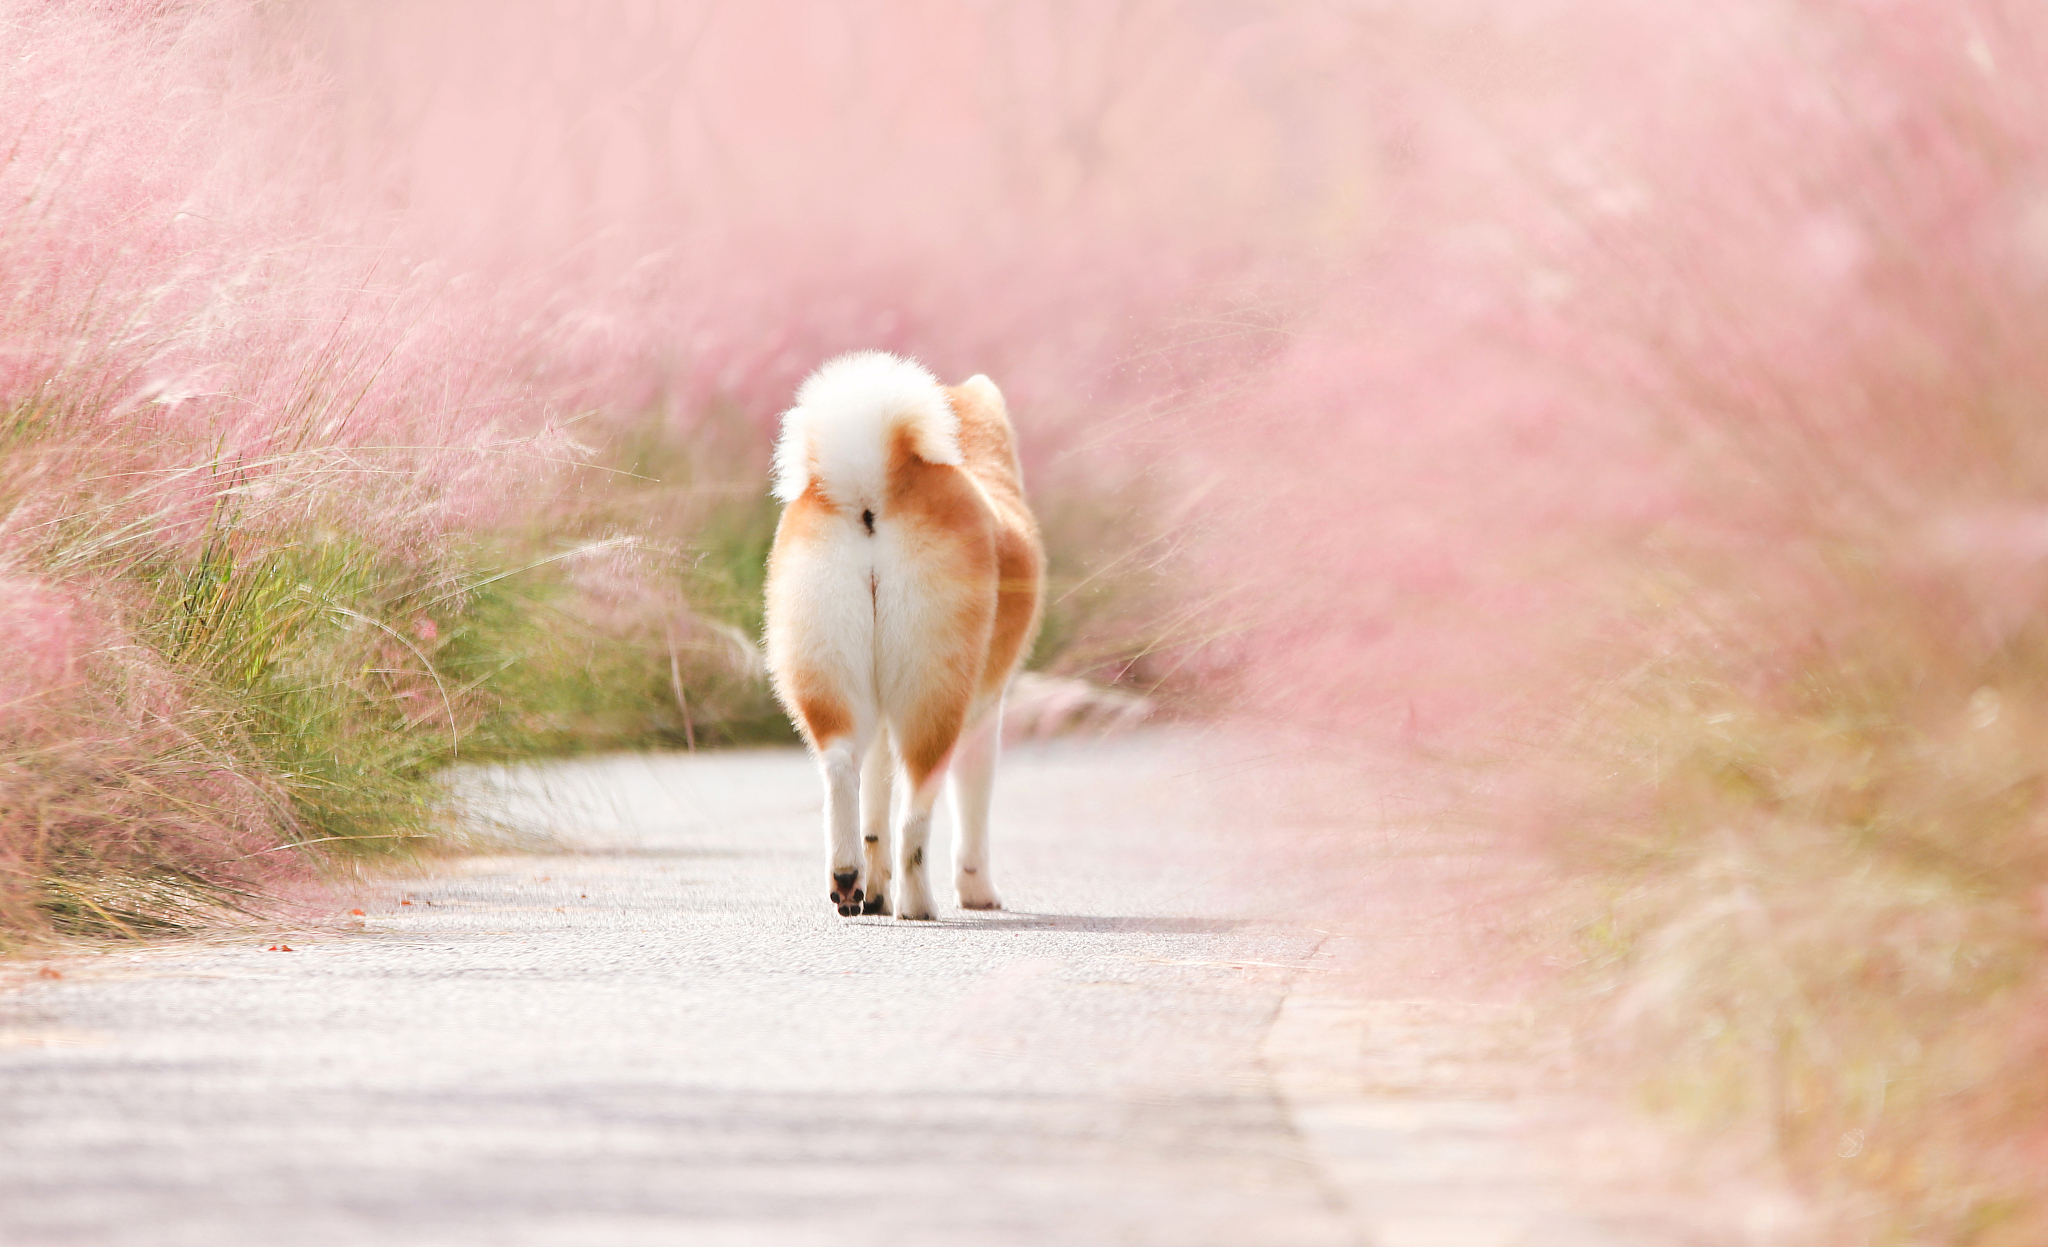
{"x": 654, "y": 1030}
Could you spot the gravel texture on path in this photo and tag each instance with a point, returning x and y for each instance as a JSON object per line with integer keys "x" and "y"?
{"x": 648, "y": 1026}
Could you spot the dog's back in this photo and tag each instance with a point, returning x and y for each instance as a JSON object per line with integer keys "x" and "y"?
{"x": 903, "y": 588}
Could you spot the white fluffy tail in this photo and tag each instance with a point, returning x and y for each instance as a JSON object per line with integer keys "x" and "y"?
{"x": 846, "y": 414}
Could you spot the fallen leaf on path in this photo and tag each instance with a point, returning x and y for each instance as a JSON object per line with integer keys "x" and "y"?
{"x": 47, "y": 973}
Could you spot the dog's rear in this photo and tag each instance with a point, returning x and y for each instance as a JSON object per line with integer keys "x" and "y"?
{"x": 903, "y": 590}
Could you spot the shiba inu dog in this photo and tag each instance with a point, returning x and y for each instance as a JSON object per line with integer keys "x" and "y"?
{"x": 903, "y": 590}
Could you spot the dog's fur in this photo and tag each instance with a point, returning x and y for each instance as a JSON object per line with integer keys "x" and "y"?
{"x": 903, "y": 590}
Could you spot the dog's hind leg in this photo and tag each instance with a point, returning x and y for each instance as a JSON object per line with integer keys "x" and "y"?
{"x": 840, "y": 761}
{"x": 821, "y": 645}
{"x": 877, "y": 787}
{"x": 973, "y": 774}
{"x": 926, "y": 742}
{"x": 913, "y": 882}
{"x": 925, "y": 739}
{"x": 841, "y": 728}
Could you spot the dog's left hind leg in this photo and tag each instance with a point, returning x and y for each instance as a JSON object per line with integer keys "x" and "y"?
{"x": 840, "y": 761}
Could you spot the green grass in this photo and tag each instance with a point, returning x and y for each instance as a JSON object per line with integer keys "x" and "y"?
{"x": 337, "y": 681}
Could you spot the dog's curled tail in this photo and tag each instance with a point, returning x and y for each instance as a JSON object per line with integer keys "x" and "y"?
{"x": 847, "y": 414}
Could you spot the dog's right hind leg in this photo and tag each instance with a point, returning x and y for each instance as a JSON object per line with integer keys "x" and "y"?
{"x": 877, "y": 787}
{"x": 971, "y": 776}
{"x": 913, "y": 882}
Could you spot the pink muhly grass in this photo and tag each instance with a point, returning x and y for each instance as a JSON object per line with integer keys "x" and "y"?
{"x": 120, "y": 809}
{"x": 1396, "y": 374}
{"x": 1755, "y": 365}
{"x": 42, "y": 643}
{"x": 210, "y": 392}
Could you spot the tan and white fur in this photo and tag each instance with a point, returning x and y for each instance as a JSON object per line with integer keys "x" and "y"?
{"x": 903, "y": 590}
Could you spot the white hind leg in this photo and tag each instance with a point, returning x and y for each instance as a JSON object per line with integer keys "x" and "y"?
{"x": 973, "y": 777}
{"x": 877, "y": 786}
{"x": 840, "y": 763}
{"x": 913, "y": 880}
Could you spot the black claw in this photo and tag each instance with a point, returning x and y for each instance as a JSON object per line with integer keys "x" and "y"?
{"x": 876, "y": 905}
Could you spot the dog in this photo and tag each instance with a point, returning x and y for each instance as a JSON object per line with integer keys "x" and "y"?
{"x": 904, "y": 589}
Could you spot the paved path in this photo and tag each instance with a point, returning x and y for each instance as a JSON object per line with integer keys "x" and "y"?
{"x": 655, "y": 1030}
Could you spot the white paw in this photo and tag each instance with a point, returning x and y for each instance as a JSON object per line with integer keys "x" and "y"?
{"x": 913, "y": 900}
{"x": 847, "y": 894}
{"x": 879, "y": 890}
{"x": 976, "y": 892}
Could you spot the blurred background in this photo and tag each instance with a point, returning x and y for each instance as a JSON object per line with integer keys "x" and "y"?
{"x": 1630, "y": 414}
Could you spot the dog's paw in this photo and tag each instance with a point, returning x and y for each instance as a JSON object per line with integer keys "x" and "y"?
{"x": 881, "y": 887}
{"x": 976, "y": 892}
{"x": 846, "y": 892}
{"x": 914, "y": 901}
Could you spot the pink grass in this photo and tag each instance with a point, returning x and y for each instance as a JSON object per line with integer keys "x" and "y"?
{"x": 1426, "y": 363}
